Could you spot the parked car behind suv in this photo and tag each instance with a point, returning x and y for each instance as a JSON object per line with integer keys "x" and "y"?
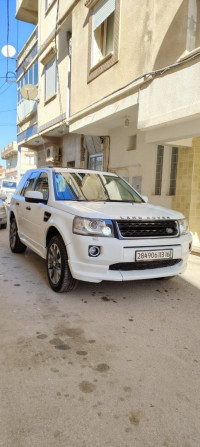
{"x": 93, "y": 226}
{"x": 3, "y": 213}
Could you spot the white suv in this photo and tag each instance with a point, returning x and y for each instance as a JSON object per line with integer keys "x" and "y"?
{"x": 93, "y": 226}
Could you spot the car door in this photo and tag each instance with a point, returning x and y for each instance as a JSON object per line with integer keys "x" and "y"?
{"x": 20, "y": 205}
{"x": 34, "y": 216}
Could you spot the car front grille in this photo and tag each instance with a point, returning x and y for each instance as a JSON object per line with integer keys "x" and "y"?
{"x": 147, "y": 229}
{"x": 127, "y": 266}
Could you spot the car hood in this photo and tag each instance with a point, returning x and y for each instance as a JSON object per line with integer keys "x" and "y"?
{"x": 116, "y": 210}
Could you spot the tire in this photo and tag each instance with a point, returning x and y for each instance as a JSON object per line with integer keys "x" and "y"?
{"x": 16, "y": 245}
{"x": 59, "y": 275}
{"x": 4, "y": 225}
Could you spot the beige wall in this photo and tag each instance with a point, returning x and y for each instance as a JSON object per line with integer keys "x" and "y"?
{"x": 71, "y": 149}
{"x": 187, "y": 199}
{"x": 139, "y": 162}
{"x": 155, "y": 40}
{"x": 195, "y": 195}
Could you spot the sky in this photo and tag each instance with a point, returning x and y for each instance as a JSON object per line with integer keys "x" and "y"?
{"x": 15, "y": 33}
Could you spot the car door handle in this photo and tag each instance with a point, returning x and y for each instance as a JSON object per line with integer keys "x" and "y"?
{"x": 28, "y": 208}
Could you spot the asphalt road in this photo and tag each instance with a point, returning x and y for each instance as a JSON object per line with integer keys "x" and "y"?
{"x": 112, "y": 364}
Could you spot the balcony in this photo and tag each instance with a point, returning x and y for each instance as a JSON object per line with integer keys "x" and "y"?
{"x": 9, "y": 150}
{"x": 27, "y": 11}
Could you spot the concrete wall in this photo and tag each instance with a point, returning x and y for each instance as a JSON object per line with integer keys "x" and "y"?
{"x": 71, "y": 149}
{"x": 139, "y": 162}
{"x": 187, "y": 199}
{"x": 156, "y": 40}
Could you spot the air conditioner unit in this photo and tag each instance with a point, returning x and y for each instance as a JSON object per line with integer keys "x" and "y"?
{"x": 52, "y": 153}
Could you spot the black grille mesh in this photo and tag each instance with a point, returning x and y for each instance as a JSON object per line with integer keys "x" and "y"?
{"x": 140, "y": 228}
{"x": 144, "y": 265}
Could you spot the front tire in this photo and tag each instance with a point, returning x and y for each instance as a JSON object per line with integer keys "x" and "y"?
{"x": 16, "y": 245}
{"x": 59, "y": 275}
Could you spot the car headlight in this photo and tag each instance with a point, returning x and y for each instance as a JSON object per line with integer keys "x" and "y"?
{"x": 93, "y": 227}
{"x": 183, "y": 226}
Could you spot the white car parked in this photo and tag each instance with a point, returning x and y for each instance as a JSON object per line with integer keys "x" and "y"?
{"x": 93, "y": 226}
{"x": 3, "y": 214}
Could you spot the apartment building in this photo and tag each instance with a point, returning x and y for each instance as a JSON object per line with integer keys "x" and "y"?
{"x": 116, "y": 88}
{"x": 2, "y": 172}
{"x": 18, "y": 160}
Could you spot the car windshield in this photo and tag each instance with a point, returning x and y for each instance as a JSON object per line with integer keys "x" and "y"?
{"x": 93, "y": 187}
{"x": 8, "y": 184}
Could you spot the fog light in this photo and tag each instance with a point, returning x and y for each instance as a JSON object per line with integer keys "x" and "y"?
{"x": 94, "y": 251}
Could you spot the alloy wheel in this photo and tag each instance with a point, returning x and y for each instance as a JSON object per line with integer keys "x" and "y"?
{"x": 54, "y": 263}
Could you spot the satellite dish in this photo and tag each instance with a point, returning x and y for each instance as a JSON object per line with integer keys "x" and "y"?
{"x": 8, "y": 51}
{"x": 29, "y": 91}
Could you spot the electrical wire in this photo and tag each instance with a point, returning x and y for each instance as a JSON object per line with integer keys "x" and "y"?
{"x": 3, "y": 84}
{"x": 147, "y": 75}
{"x": 8, "y": 110}
{"x": 5, "y": 89}
{"x": 8, "y": 28}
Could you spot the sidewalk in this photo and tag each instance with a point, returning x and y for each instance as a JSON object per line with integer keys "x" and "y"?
{"x": 196, "y": 250}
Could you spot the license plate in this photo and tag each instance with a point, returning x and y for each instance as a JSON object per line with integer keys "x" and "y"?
{"x": 152, "y": 255}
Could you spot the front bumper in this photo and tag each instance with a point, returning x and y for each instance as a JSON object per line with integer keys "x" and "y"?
{"x": 115, "y": 251}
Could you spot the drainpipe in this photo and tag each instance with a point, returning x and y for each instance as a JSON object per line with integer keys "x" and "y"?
{"x": 69, "y": 39}
{"x": 18, "y": 164}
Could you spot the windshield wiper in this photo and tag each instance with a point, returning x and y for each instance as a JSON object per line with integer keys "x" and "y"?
{"x": 121, "y": 201}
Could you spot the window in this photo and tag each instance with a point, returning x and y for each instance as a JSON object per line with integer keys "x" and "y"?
{"x": 193, "y": 25}
{"x": 71, "y": 164}
{"x": 28, "y": 185}
{"x": 103, "y": 30}
{"x": 173, "y": 173}
{"x": 96, "y": 162}
{"x": 159, "y": 168}
{"x": 103, "y": 36}
{"x": 50, "y": 79}
{"x": 48, "y": 3}
{"x": 30, "y": 160}
{"x": 42, "y": 185}
{"x": 91, "y": 186}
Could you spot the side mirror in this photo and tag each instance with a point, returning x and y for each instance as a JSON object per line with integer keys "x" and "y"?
{"x": 34, "y": 197}
{"x": 145, "y": 198}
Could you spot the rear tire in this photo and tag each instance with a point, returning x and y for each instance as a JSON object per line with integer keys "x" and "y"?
{"x": 4, "y": 225}
{"x": 16, "y": 245}
{"x": 59, "y": 275}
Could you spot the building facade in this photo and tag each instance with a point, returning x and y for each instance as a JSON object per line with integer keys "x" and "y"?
{"x": 115, "y": 87}
{"x": 18, "y": 160}
{"x": 2, "y": 172}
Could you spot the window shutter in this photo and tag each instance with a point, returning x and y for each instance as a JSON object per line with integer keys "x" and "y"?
{"x": 102, "y": 12}
{"x": 50, "y": 78}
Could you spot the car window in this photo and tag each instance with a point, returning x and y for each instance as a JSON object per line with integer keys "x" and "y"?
{"x": 93, "y": 187}
{"x": 42, "y": 185}
{"x": 28, "y": 185}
